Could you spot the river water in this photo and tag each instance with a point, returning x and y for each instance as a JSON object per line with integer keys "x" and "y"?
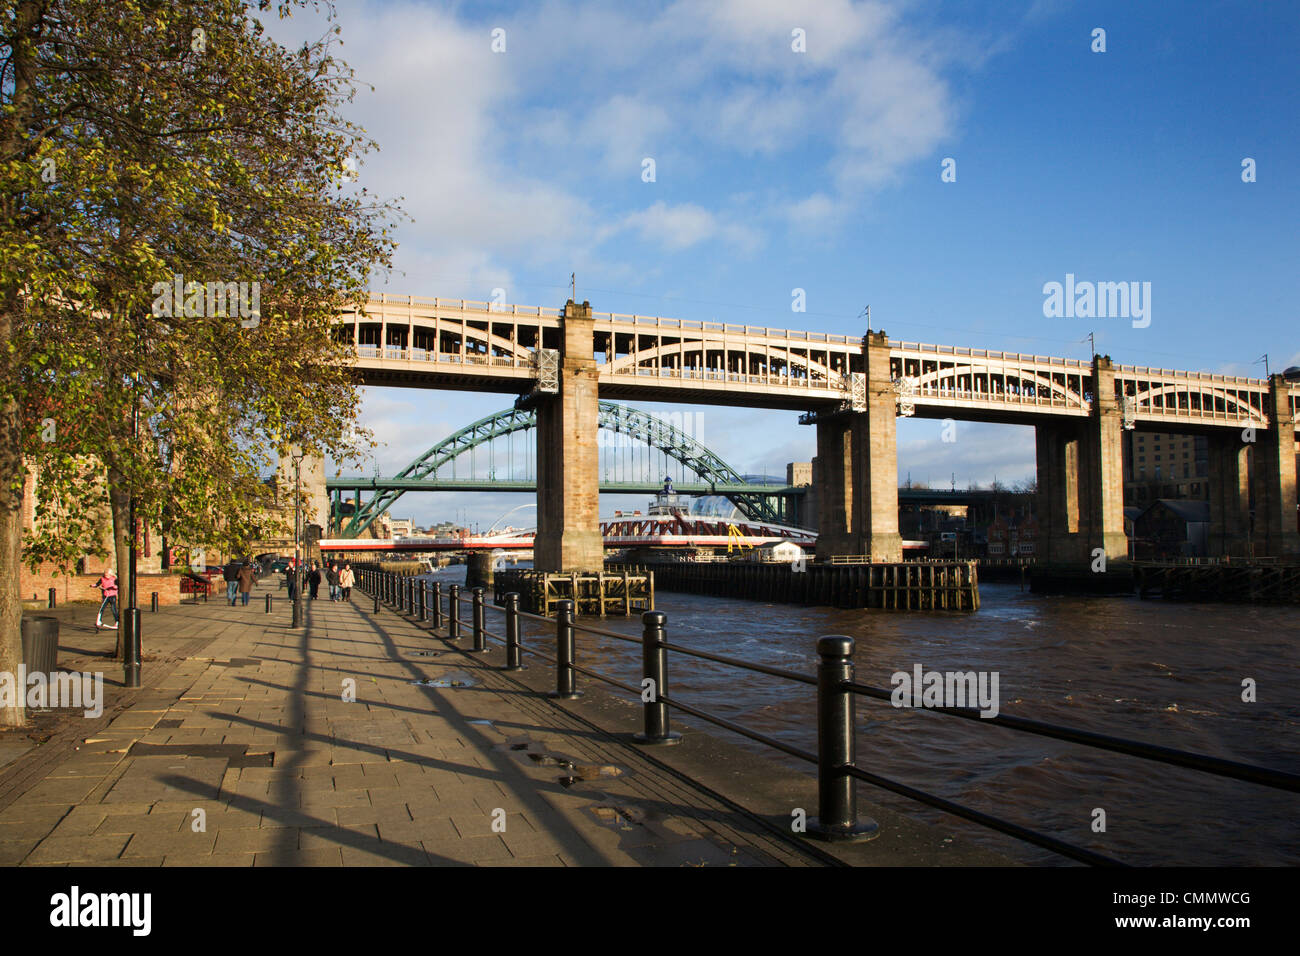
{"x": 1169, "y": 674}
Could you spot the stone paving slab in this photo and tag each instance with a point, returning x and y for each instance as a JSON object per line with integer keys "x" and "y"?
{"x": 331, "y": 753}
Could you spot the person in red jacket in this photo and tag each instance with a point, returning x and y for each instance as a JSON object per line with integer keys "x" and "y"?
{"x": 107, "y": 585}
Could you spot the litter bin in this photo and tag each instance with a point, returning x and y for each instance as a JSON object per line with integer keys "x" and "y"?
{"x": 40, "y": 644}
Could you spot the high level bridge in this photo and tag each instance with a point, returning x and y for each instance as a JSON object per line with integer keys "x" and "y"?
{"x": 853, "y": 390}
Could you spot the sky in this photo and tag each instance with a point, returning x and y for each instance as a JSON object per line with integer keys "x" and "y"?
{"x": 804, "y": 146}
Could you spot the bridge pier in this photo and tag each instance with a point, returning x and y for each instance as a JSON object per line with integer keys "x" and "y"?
{"x": 480, "y": 569}
{"x": 1081, "y": 479}
{"x": 857, "y": 464}
{"x": 1229, "y": 480}
{"x": 1275, "y": 477}
{"x": 568, "y": 475}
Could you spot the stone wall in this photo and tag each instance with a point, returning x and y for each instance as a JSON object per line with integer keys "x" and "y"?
{"x": 81, "y": 587}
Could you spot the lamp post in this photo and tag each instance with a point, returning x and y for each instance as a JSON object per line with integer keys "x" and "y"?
{"x": 296, "y": 453}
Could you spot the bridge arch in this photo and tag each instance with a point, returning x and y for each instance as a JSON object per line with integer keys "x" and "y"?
{"x": 612, "y": 417}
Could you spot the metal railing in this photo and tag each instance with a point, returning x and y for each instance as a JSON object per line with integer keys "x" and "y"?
{"x": 836, "y": 696}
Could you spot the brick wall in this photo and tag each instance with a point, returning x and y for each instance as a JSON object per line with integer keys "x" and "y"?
{"x": 81, "y": 587}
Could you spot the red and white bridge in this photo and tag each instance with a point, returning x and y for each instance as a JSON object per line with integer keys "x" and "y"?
{"x": 661, "y": 531}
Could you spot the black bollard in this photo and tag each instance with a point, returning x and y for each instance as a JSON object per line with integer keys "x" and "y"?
{"x": 54, "y": 597}
{"x": 453, "y": 613}
{"x": 837, "y": 792}
{"x": 654, "y": 668}
{"x": 437, "y": 604}
{"x": 268, "y": 604}
{"x": 480, "y": 639}
{"x": 153, "y": 601}
{"x": 131, "y": 658}
{"x": 513, "y": 646}
{"x": 565, "y": 676}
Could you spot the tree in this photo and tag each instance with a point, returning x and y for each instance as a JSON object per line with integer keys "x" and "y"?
{"x": 189, "y": 152}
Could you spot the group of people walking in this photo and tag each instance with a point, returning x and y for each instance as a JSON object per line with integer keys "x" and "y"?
{"x": 340, "y": 580}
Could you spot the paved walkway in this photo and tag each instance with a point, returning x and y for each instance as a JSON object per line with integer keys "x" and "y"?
{"x": 246, "y": 721}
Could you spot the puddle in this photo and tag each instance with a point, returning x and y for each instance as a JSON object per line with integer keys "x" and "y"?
{"x": 424, "y": 653}
{"x": 584, "y": 772}
{"x": 447, "y": 680}
{"x": 484, "y": 722}
{"x": 616, "y": 816}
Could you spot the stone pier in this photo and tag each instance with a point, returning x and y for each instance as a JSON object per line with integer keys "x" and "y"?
{"x": 1229, "y": 481}
{"x": 1081, "y": 479}
{"x": 857, "y": 468}
{"x": 1275, "y": 477}
{"x": 568, "y": 515}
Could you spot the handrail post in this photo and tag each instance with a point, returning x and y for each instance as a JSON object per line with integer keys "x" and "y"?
{"x": 422, "y": 611}
{"x": 654, "y": 685}
{"x": 480, "y": 639}
{"x": 837, "y": 792}
{"x": 453, "y": 613}
{"x": 565, "y": 683}
{"x": 512, "y": 633}
{"x": 437, "y": 604}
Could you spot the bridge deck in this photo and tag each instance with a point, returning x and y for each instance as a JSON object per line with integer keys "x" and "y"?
{"x": 479, "y": 346}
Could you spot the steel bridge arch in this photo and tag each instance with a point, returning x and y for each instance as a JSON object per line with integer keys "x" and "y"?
{"x": 611, "y": 416}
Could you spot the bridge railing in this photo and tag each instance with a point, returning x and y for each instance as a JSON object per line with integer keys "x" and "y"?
{"x": 836, "y": 694}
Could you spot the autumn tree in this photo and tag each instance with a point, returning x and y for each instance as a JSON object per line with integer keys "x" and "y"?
{"x": 156, "y": 155}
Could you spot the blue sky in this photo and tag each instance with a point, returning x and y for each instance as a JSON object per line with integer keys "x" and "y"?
{"x": 820, "y": 170}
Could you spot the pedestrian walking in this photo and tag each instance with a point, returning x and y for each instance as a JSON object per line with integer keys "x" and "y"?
{"x": 346, "y": 580}
{"x": 246, "y": 578}
{"x": 230, "y": 574}
{"x": 313, "y": 579}
{"x": 291, "y": 580}
{"x": 107, "y": 585}
{"x": 332, "y": 579}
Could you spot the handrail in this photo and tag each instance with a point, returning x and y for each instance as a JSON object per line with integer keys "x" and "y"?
{"x": 837, "y": 769}
{"x": 1232, "y": 769}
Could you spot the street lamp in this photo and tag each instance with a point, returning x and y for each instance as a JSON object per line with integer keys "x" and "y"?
{"x": 295, "y": 453}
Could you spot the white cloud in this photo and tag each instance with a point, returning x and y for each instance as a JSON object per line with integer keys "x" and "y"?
{"x": 494, "y": 155}
{"x": 684, "y": 225}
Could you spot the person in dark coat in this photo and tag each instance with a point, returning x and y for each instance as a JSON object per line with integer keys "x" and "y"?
{"x": 230, "y": 574}
{"x": 313, "y": 579}
{"x": 332, "y": 579}
{"x": 291, "y": 580}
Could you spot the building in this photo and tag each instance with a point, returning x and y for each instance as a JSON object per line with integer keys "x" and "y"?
{"x": 1170, "y": 528}
{"x": 1164, "y": 465}
{"x": 785, "y": 551}
{"x": 1013, "y": 536}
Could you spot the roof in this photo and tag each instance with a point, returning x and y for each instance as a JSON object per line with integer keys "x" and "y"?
{"x": 1192, "y": 511}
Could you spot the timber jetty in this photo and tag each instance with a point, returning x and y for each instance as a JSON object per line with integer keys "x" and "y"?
{"x": 890, "y": 586}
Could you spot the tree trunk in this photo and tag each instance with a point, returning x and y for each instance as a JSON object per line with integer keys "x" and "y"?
{"x": 12, "y": 473}
{"x": 120, "y": 505}
{"x": 11, "y": 550}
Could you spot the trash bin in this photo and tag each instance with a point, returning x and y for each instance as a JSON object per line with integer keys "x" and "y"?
{"x": 40, "y": 644}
